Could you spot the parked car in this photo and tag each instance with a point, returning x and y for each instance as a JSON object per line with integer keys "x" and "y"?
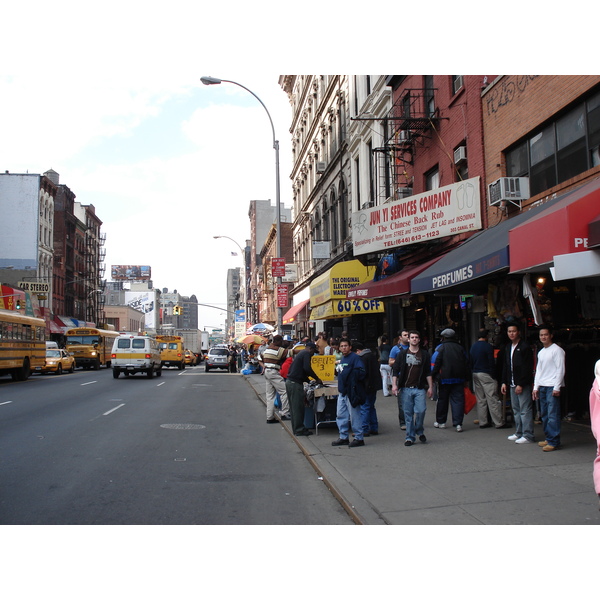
{"x": 57, "y": 361}
{"x": 217, "y": 358}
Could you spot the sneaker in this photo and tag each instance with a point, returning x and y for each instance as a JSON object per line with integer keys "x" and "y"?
{"x": 408, "y": 443}
{"x": 459, "y": 428}
{"x": 549, "y": 448}
{"x": 422, "y": 438}
{"x": 542, "y": 444}
{"x": 354, "y": 443}
{"x": 341, "y": 442}
{"x": 403, "y": 427}
{"x": 440, "y": 425}
{"x": 522, "y": 440}
{"x": 514, "y": 437}
{"x": 273, "y": 420}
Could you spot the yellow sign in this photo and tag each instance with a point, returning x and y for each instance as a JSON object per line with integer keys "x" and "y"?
{"x": 336, "y": 309}
{"x": 324, "y": 366}
{"x": 338, "y": 280}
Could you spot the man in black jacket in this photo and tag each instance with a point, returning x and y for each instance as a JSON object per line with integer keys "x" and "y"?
{"x": 411, "y": 377}
{"x": 452, "y": 368}
{"x": 373, "y": 383}
{"x": 517, "y": 375}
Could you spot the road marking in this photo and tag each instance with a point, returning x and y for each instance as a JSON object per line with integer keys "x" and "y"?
{"x": 113, "y": 409}
{"x": 9, "y": 402}
{"x": 162, "y": 383}
{"x": 89, "y": 382}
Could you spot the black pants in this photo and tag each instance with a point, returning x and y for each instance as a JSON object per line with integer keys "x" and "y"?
{"x": 453, "y": 394}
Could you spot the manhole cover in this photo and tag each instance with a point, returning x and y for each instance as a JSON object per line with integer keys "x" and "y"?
{"x": 182, "y": 426}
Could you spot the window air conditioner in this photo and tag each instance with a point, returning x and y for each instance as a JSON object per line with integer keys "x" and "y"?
{"x": 508, "y": 189}
{"x": 321, "y": 166}
{"x": 460, "y": 154}
{"x": 404, "y": 192}
{"x": 403, "y": 135}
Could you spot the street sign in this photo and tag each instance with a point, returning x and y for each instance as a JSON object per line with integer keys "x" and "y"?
{"x": 282, "y": 295}
{"x": 278, "y": 267}
{"x": 34, "y": 287}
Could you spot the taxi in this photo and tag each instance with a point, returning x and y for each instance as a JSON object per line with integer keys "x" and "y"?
{"x": 190, "y": 358}
{"x": 57, "y": 361}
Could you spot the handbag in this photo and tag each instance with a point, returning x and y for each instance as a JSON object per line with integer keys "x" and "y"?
{"x": 470, "y": 400}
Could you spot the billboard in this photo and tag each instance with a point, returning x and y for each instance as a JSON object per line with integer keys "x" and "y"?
{"x": 145, "y": 302}
{"x": 130, "y": 272}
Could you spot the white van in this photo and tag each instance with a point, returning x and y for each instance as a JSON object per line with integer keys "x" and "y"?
{"x": 51, "y": 345}
{"x": 135, "y": 354}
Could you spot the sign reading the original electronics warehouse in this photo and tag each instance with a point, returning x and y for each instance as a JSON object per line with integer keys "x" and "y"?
{"x": 449, "y": 210}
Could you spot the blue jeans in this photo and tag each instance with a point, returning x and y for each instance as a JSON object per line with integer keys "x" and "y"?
{"x": 369, "y": 414}
{"x": 522, "y": 408}
{"x": 550, "y": 411}
{"x": 346, "y": 413}
{"x": 415, "y": 405}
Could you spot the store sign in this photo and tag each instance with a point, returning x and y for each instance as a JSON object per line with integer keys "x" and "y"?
{"x": 336, "y": 309}
{"x": 34, "y": 286}
{"x": 291, "y": 274}
{"x": 446, "y": 211}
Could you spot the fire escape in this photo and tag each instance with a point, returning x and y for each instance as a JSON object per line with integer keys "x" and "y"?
{"x": 409, "y": 125}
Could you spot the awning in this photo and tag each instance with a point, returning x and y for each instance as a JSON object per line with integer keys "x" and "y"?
{"x": 483, "y": 253}
{"x": 337, "y": 309}
{"x": 54, "y": 328}
{"x": 576, "y": 265}
{"x": 290, "y": 315}
{"x": 395, "y": 285}
{"x": 594, "y": 232}
{"x": 68, "y": 322}
{"x": 559, "y": 229}
{"x": 334, "y": 283}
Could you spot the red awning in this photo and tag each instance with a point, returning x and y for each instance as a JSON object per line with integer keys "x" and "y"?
{"x": 395, "y": 285}
{"x": 290, "y": 315}
{"x": 561, "y": 229}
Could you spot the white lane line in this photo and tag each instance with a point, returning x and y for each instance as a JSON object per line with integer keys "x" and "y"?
{"x": 9, "y": 402}
{"x": 89, "y": 382}
{"x": 163, "y": 383}
{"x": 113, "y": 409}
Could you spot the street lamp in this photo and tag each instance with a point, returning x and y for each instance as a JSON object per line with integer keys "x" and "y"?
{"x": 214, "y": 81}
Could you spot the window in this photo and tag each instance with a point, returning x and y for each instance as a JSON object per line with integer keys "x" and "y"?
{"x": 429, "y": 96}
{"x": 432, "y": 179}
{"x": 371, "y": 175}
{"x": 457, "y": 83}
{"x": 561, "y": 150}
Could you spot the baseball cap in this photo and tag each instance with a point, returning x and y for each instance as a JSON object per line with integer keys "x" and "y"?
{"x": 310, "y": 345}
{"x": 448, "y": 333}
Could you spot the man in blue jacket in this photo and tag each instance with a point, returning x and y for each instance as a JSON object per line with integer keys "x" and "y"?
{"x": 351, "y": 373}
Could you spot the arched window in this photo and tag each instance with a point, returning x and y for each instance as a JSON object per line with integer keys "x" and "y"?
{"x": 325, "y": 232}
{"x": 334, "y": 221}
{"x": 343, "y": 212}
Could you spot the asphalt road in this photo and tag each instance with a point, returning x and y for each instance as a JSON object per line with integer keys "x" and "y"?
{"x": 186, "y": 448}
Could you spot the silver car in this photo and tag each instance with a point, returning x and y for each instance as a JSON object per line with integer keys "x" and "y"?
{"x": 218, "y": 358}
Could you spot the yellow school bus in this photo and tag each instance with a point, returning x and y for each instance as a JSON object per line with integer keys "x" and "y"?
{"x": 22, "y": 344}
{"x": 91, "y": 347}
{"x": 172, "y": 352}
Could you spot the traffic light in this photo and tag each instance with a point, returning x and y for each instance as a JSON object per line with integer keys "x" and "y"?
{"x": 18, "y": 304}
{"x": 177, "y": 310}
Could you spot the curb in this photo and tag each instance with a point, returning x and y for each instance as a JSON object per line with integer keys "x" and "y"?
{"x": 359, "y": 509}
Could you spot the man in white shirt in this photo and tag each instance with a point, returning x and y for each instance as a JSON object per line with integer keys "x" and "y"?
{"x": 549, "y": 378}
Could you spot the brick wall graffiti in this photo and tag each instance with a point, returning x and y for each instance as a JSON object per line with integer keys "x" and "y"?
{"x": 507, "y": 90}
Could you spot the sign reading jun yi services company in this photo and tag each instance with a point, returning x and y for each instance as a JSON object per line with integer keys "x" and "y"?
{"x": 448, "y": 210}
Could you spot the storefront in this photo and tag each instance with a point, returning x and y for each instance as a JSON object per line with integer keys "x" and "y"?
{"x": 333, "y": 313}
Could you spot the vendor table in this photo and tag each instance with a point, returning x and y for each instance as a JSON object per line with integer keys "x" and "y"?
{"x": 329, "y": 394}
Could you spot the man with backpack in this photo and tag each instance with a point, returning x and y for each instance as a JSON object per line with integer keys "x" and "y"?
{"x": 384, "y": 366}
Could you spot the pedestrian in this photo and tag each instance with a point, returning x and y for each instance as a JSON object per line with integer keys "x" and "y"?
{"x": 595, "y": 419}
{"x": 412, "y": 381}
{"x": 517, "y": 376}
{"x": 485, "y": 386}
{"x": 373, "y": 384}
{"x": 321, "y": 343}
{"x": 451, "y": 368}
{"x": 232, "y": 356}
{"x": 384, "y": 365}
{"x": 350, "y": 387}
{"x": 299, "y": 372}
{"x": 547, "y": 383}
{"x": 402, "y": 344}
{"x": 272, "y": 359}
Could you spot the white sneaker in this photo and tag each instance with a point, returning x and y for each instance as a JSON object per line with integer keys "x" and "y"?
{"x": 459, "y": 428}
{"x": 440, "y": 425}
{"x": 513, "y": 438}
{"x": 522, "y": 440}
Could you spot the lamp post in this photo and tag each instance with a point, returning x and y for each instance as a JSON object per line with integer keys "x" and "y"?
{"x": 215, "y": 81}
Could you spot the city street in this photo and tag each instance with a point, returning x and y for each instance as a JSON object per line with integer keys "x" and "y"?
{"x": 185, "y": 448}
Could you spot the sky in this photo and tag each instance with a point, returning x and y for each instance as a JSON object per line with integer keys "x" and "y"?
{"x": 108, "y": 94}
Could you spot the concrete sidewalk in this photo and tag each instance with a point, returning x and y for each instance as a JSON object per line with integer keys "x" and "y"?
{"x": 474, "y": 477}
